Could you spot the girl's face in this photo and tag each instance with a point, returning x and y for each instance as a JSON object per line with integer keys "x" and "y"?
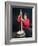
{"x": 25, "y": 16}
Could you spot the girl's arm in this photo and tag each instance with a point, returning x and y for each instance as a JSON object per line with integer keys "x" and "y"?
{"x": 22, "y": 19}
{"x": 19, "y": 18}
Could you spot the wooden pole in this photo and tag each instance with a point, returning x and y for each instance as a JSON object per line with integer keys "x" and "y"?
{"x": 21, "y": 18}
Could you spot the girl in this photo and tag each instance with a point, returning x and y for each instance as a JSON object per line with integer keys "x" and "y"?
{"x": 25, "y": 24}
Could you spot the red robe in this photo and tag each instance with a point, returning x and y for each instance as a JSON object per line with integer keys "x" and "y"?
{"x": 26, "y": 22}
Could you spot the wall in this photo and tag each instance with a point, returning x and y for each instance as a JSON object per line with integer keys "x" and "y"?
{"x": 2, "y": 23}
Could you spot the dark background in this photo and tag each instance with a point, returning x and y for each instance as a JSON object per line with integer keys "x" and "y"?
{"x": 15, "y": 13}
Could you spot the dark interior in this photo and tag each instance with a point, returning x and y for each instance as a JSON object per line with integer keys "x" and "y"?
{"x": 15, "y": 13}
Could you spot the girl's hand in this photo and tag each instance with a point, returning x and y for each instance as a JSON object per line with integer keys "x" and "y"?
{"x": 22, "y": 19}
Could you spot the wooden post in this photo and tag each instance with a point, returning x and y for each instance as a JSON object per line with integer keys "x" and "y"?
{"x": 21, "y": 19}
